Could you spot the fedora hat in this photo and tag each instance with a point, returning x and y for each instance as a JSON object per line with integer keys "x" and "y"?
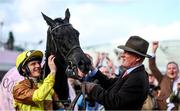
{"x": 136, "y": 45}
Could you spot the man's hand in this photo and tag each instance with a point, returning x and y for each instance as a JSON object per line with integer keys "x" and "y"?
{"x": 87, "y": 86}
{"x": 51, "y": 64}
{"x": 80, "y": 73}
{"x": 155, "y": 45}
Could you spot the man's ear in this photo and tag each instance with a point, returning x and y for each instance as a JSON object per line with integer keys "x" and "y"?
{"x": 138, "y": 59}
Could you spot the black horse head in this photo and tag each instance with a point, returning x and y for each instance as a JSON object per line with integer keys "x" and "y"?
{"x": 63, "y": 40}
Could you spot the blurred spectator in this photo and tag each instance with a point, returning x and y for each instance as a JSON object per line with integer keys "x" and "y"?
{"x": 118, "y": 68}
{"x": 151, "y": 102}
{"x": 166, "y": 81}
{"x": 105, "y": 64}
{"x": 152, "y": 80}
{"x": 100, "y": 59}
{"x": 154, "y": 90}
{"x": 174, "y": 99}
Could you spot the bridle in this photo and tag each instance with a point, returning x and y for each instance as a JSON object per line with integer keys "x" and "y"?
{"x": 71, "y": 69}
{"x": 54, "y": 41}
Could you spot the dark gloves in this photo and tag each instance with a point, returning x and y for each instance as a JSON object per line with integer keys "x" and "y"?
{"x": 87, "y": 87}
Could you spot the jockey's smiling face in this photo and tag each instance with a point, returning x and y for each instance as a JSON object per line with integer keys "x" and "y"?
{"x": 34, "y": 68}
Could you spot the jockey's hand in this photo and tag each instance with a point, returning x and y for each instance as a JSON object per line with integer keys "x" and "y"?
{"x": 51, "y": 64}
{"x": 88, "y": 87}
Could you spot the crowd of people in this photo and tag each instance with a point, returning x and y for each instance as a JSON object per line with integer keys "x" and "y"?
{"x": 128, "y": 86}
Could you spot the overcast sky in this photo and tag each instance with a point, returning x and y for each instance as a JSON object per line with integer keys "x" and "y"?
{"x": 98, "y": 21}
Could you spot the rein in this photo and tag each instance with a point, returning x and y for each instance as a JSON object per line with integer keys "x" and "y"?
{"x": 55, "y": 45}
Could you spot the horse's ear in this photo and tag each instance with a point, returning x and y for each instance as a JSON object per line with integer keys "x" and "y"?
{"x": 67, "y": 15}
{"x": 48, "y": 20}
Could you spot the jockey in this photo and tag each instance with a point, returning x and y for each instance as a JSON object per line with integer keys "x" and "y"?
{"x": 33, "y": 93}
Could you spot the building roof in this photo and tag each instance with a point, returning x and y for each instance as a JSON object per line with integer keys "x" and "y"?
{"x": 7, "y": 59}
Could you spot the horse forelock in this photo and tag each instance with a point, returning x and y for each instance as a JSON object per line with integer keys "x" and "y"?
{"x": 59, "y": 21}
{"x": 66, "y": 37}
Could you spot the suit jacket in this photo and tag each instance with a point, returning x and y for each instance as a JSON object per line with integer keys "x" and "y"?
{"x": 127, "y": 93}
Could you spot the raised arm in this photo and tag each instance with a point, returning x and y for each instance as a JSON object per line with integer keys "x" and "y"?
{"x": 152, "y": 62}
{"x": 42, "y": 92}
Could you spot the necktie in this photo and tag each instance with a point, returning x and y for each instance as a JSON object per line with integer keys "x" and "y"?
{"x": 125, "y": 74}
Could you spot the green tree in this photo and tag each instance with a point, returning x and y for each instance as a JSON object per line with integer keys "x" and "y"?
{"x": 10, "y": 41}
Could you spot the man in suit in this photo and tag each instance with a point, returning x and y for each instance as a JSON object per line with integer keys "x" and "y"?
{"x": 129, "y": 91}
